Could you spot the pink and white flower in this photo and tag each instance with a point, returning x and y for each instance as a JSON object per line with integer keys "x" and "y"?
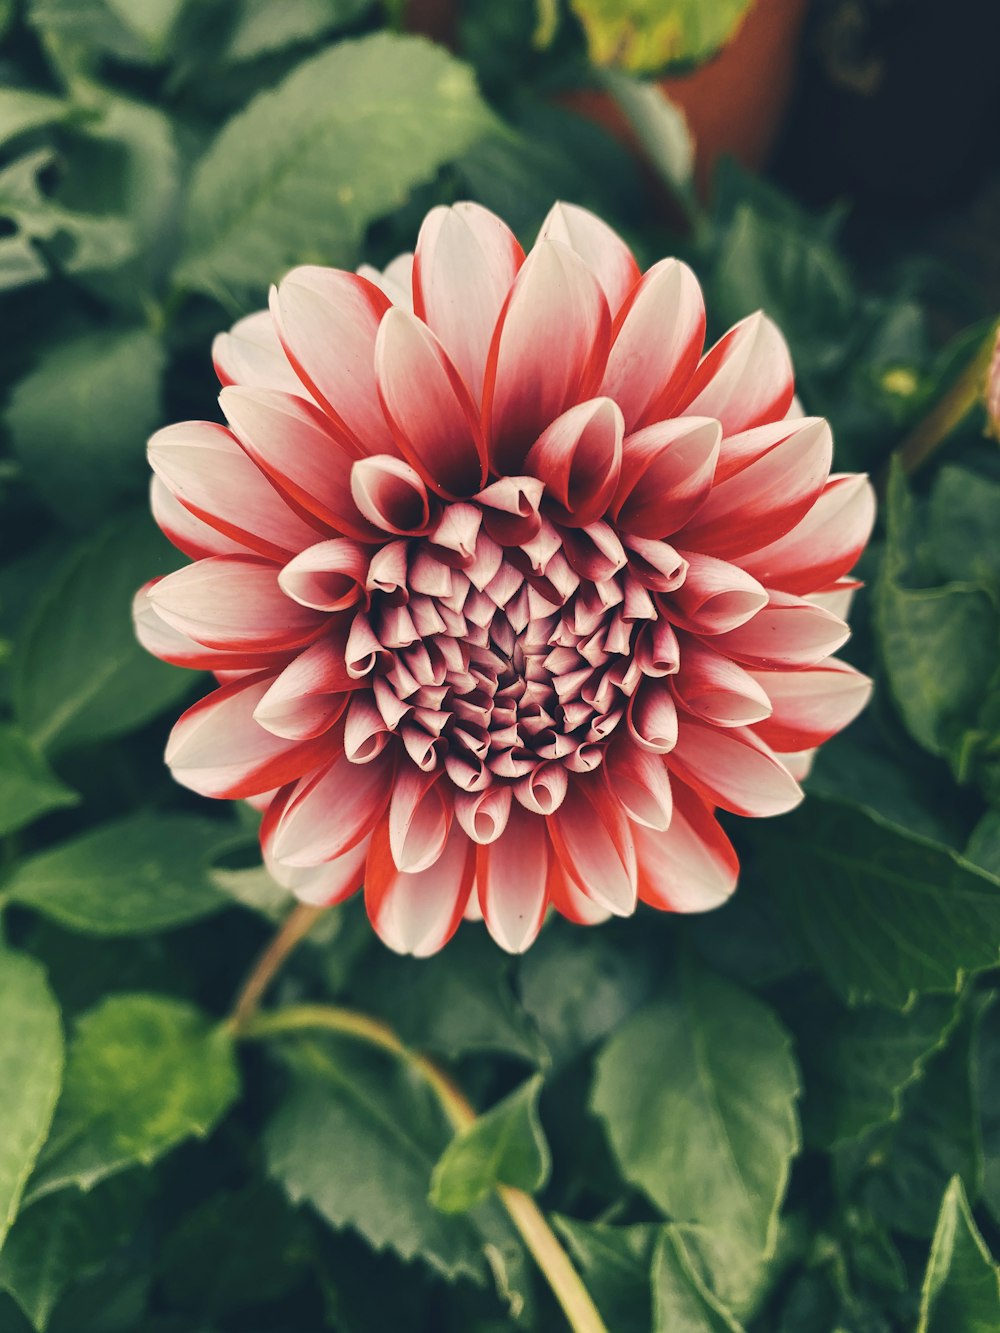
{"x": 507, "y": 584}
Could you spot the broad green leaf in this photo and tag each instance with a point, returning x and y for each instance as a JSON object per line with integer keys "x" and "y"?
{"x": 580, "y": 985}
{"x": 615, "y": 1263}
{"x": 357, "y": 1135}
{"x": 261, "y": 27}
{"x": 74, "y": 242}
{"x": 963, "y": 526}
{"x": 137, "y": 31}
{"x": 31, "y": 1066}
{"x": 505, "y": 1146}
{"x": 682, "y": 1303}
{"x": 134, "y": 876}
{"x": 884, "y": 913}
{"x": 144, "y": 1073}
{"x": 79, "y": 421}
{"x": 697, "y": 1093}
{"x": 28, "y": 787}
{"x": 986, "y": 1081}
{"x": 80, "y": 674}
{"x": 647, "y": 35}
{"x": 961, "y": 1290}
{"x": 857, "y": 1063}
{"x": 456, "y": 1002}
{"x": 299, "y": 175}
{"x": 63, "y": 1238}
{"x": 22, "y": 109}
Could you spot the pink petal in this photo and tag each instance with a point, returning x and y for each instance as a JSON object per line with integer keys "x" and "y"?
{"x": 432, "y": 415}
{"x": 172, "y": 645}
{"x": 657, "y": 340}
{"x": 729, "y": 766}
{"x": 602, "y": 250}
{"x": 328, "y": 321}
{"x": 641, "y": 782}
{"x": 251, "y": 354}
{"x": 824, "y": 545}
{"x": 417, "y": 914}
{"x": 652, "y": 717}
{"x": 543, "y": 789}
{"x": 206, "y": 470}
{"x": 746, "y": 379}
{"x": 512, "y": 876}
{"x": 329, "y": 576}
{"x": 189, "y": 534}
{"x": 234, "y": 602}
{"x": 655, "y": 563}
{"x": 465, "y": 262}
{"x": 391, "y": 495}
{"x": 593, "y": 842}
{"x": 395, "y": 280}
{"x": 579, "y": 457}
{"x": 296, "y": 447}
{"x": 365, "y": 731}
{"x": 570, "y": 901}
{"x": 715, "y": 596}
{"x": 330, "y": 812}
{"x": 217, "y": 749}
{"x": 548, "y": 351}
{"x": 484, "y": 814}
{"x": 322, "y": 885}
{"x": 420, "y": 814}
{"x": 811, "y": 706}
{"x": 691, "y": 867}
{"x": 716, "y": 689}
{"x": 789, "y": 632}
{"x": 767, "y": 498}
{"x": 311, "y": 693}
{"x": 511, "y": 509}
{"x": 666, "y": 475}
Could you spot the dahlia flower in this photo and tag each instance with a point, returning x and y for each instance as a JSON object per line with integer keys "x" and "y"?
{"x": 507, "y": 586}
{"x": 993, "y": 391}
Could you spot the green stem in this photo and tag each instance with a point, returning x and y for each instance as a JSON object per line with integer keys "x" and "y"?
{"x": 296, "y": 927}
{"x": 538, "y": 1236}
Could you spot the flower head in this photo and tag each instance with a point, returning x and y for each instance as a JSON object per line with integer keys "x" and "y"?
{"x": 507, "y": 586}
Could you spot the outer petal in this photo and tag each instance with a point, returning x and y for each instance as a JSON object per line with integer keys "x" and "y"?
{"x": 251, "y": 353}
{"x": 745, "y": 380}
{"x": 788, "y": 632}
{"x": 322, "y": 885}
{"x": 548, "y": 351}
{"x": 571, "y": 902}
{"x": 641, "y": 782}
{"x": 767, "y": 498}
{"x": 420, "y": 815}
{"x": 512, "y": 875}
{"x": 331, "y": 811}
{"x": 234, "y": 603}
{"x": 204, "y": 468}
{"x": 593, "y": 841}
{"x": 579, "y": 458}
{"x": 328, "y": 321}
{"x": 292, "y": 442}
{"x": 716, "y": 689}
{"x": 465, "y": 263}
{"x": 715, "y": 596}
{"x": 602, "y": 249}
{"x": 431, "y": 412}
{"x": 729, "y": 766}
{"x": 666, "y": 475}
{"x": 691, "y": 867}
{"x": 188, "y": 533}
{"x": 418, "y": 914}
{"x": 171, "y": 645}
{"x": 811, "y": 706}
{"x": 824, "y": 545}
{"x": 217, "y": 749}
{"x": 395, "y": 280}
{"x": 658, "y": 337}
{"x": 311, "y": 693}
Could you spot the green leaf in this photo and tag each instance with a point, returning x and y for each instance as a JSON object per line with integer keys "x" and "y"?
{"x": 647, "y": 35}
{"x": 63, "y": 1238}
{"x": 137, "y": 31}
{"x": 986, "y": 1080}
{"x": 79, "y": 421}
{"x": 261, "y": 27}
{"x": 659, "y": 126}
{"x": 131, "y": 877}
{"x": 144, "y": 1073}
{"x": 28, "y": 787}
{"x": 962, "y": 537}
{"x": 31, "y": 1065}
{"x": 22, "y": 109}
{"x": 505, "y": 1146}
{"x": 80, "y": 674}
{"x": 884, "y": 913}
{"x": 357, "y": 1135}
{"x": 615, "y": 1263}
{"x": 856, "y": 1063}
{"x": 961, "y": 1290}
{"x": 697, "y": 1093}
{"x": 299, "y": 175}
{"x": 682, "y": 1303}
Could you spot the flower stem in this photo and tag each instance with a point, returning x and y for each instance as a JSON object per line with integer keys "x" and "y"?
{"x": 539, "y": 1238}
{"x": 295, "y": 928}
